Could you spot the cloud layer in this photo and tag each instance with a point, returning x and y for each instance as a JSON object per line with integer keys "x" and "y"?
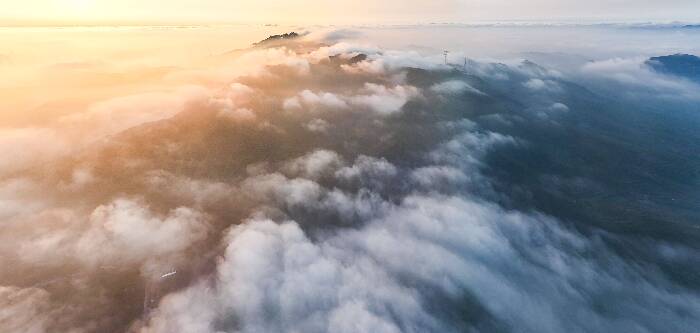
{"x": 334, "y": 187}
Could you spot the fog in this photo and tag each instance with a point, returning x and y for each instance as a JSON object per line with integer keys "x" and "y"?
{"x": 353, "y": 179}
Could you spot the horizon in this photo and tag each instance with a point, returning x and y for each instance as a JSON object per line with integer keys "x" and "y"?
{"x": 474, "y": 23}
{"x": 344, "y": 12}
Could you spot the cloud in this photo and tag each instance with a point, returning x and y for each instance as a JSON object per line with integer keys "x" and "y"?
{"x": 5, "y": 59}
{"x": 385, "y": 100}
{"x": 280, "y": 189}
{"x": 344, "y": 49}
{"x": 18, "y": 197}
{"x": 542, "y": 85}
{"x": 638, "y": 78}
{"x": 392, "y": 62}
{"x": 559, "y": 107}
{"x": 256, "y": 62}
{"x": 29, "y": 146}
{"x": 274, "y": 277}
{"x": 25, "y": 310}
{"x": 334, "y": 36}
{"x": 454, "y": 87}
{"x": 375, "y": 97}
{"x": 126, "y": 232}
{"x": 122, "y": 234}
{"x": 118, "y": 114}
{"x": 432, "y": 176}
{"x": 367, "y": 168}
{"x": 304, "y": 193}
{"x": 322, "y": 99}
{"x": 318, "y": 125}
{"x": 315, "y": 164}
{"x": 237, "y": 115}
{"x": 292, "y": 103}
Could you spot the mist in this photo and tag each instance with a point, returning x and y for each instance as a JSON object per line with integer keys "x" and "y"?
{"x": 353, "y": 180}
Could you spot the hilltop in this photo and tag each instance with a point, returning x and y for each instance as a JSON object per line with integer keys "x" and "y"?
{"x": 276, "y": 38}
{"x": 682, "y": 65}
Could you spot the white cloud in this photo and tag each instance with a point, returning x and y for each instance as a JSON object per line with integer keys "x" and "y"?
{"x": 384, "y": 100}
{"x": 126, "y": 232}
{"x": 454, "y": 87}
{"x": 322, "y": 99}
{"x": 122, "y": 233}
{"x": 367, "y": 168}
{"x": 637, "y": 78}
{"x": 280, "y": 189}
{"x": 314, "y": 164}
{"x": 273, "y": 277}
{"x": 18, "y": 197}
{"x": 343, "y": 49}
{"x": 35, "y": 145}
{"x": 375, "y": 97}
{"x": 296, "y": 237}
{"x": 30, "y": 146}
{"x": 255, "y": 62}
{"x": 433, "y": 176}
{"x": 238, "y": 115}
{"x": 25, "y": 310}
{"x": 318, "y": 125}
{"x": 542, "y": 85}
{"x": 559, "y": 107}
{"x": 291, "y": 104}
{"x": 117, "y": 114}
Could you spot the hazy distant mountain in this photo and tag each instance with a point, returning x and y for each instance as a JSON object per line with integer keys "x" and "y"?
{"x": 683, "y": 65}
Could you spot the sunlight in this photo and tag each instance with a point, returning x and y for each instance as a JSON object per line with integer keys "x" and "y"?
{"x": 349, "y": 166}
{"x": 78, "y": 6}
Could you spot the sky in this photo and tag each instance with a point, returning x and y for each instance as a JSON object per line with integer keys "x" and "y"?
{"x": 340, "y": 11}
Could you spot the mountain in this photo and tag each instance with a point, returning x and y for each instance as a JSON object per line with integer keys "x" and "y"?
{"x": 275, "y": 38}
{"x": 682, "y": 65}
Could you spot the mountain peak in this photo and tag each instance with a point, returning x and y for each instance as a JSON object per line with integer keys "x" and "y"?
{"x": 682, "y": 65}
{"x": 275, "y": 38}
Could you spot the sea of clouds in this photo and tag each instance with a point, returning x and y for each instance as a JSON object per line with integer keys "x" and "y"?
{"x": 332, "y": 186}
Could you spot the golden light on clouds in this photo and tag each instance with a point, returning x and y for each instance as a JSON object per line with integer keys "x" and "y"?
{"x": 336, "y": 12}
{"x": 173, "y": 176}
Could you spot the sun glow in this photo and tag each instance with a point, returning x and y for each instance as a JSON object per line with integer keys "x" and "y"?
{"x": 111, "y": 12}
{"x": 78, "y": 4}
{"x": 79, "y": 9}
